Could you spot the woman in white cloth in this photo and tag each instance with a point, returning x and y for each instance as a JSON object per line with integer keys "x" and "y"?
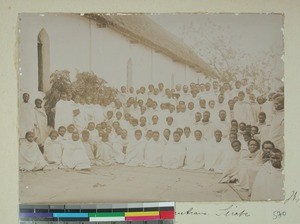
{"x": 88, "y": 145}
{"x": 215, "y": 151}
{"x": 105, "y": 152}
{"x": 174, "y": 154}
{"x": 232, "y": 159}
{"x": 249, "y": 161}
{"x": 74, "y": 154}
{"x": 135, "y": 150}
{"x": 195, "y": 152}
{"x": 30, "y": 156}
{"x": 153, "y": 151}
{"x": 120, "y": 147}
{"x": 268, "y": 184}
{"x": 53, "y": 149}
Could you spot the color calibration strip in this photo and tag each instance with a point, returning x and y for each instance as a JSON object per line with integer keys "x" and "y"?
{"x": 99, "y": 213}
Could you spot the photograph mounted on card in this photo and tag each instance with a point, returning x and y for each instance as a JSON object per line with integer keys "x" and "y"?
{"x": 147, "y": 108}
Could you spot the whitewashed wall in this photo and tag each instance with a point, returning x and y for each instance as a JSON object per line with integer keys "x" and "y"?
{"x": 77, "y": 44}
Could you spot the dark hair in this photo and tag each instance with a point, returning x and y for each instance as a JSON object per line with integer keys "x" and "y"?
{"x": 257, "y": 142}
{"x": 268, "y": 142}
{"x": 235, "y": 141}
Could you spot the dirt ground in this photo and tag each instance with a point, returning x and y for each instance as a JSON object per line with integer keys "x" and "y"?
{"x": 122, "y": 184}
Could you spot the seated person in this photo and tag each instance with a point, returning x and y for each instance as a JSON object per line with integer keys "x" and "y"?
{"x": 53, "y": 149}
{"x": 88, "y": 145}
{"x": 153, "y": 151}
{"x": 195, "y": 152}
{"x": 233, "y": 159}
{"x": 30, "y": 156}
{"x": 268, "y": 184}
{"x": 105, "y": 154}
{"x": 74, "y": 154}
{"x": 135, "y": 150}
{"x": 174, "y": 153}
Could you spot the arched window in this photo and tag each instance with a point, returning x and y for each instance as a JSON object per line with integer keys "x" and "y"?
{"x": 43, "y": 61}
{"x": 129, "y": 73}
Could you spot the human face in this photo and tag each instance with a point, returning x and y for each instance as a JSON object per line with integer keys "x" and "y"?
{"x": 85, "y": 136}
{"x": 206, "y": 116}
{"x": 198, "y": 117}
{"x": 215, "y": 85}
{"x": 30, "y": 137}
{"x": 198, "y": 135}
{"x": 109, "y": 114}
{"x": 63, "y": 96}
{"x": 118, "y": 115}
{"x": 236, "y": 146}
{"x": 202, "y": 103}
{"x": 278, "y": 103}
{"x": 138, "y": 135}
{"x": 124, "y": 134}
{"x": 25, "y": 97}
{"x": 267, "y": 148}
{"x": 218, "y": 136}
{"x": 275, "y": 159}
{"x": 176, "y": 137}
{"x": 253, "y": 131}
{"x": 222, "y": 115}
{"x": 149, "y": 134}
{"x": 241, "y": 96}
{"x": 91, "y": 126}
{"x": 237, "y": 85}
{"x": 38, "y": 104}
{"x": 155, "y": 136}
{"x": 261, "y": 119}
{"x": 242, "y": 127}
{"x": 232, "y": 137}
{"x": 185, "y": 88}
{"x": 191, "y": 105}
{"x": 221, "y": 98}
{"x": 71, "y": 128}
{"x": 253, "y": 147}
{"x": 62, "y": 131}
{"x": 187, "y": 132}
{"x": 207, "y": 86}
{"x": 260, "y": 100}
{"x": 166, "y": 134}
{"x": 53, "y": 136}
{"x": 75, "y": 136}
{"x": 169, "y": 121}
{"x": 154, "y": 119}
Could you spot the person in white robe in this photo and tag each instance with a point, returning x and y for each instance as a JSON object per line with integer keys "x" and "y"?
{"x": 70, "y": 129}
{"x": 135, "y": 150}
{"x": 232, "y": 159}
{"x": 231, "y": 109}
{"x": 195, "y": 150}
{"x": 61, "y": 133}
{"x": 268, "y": 184}
{"x": 89, "y": 110}
{"x": 174, "y": 153}
{"x": 30, "y": 156}
{"x": 153, "y": 151}
{"x": 89, "y": 146}
{"x": 255, "y": 109}
{"x": 222, "y": 124}
{"x": 215, "y": 151}
{"x": 78, "y": 113}
{"x": 41, "y": 127}
{"x": 109, "y": 119}
{"x": 248, "y": 165}
{"x": 166, "y": 136}
{"x": 263, "y": 128}
{"x": 105, "y": 154}
{"x": 74, "y": 154}
{"x": 267, "y": 107}
{"x": 207, "y": 127}
{"x": 26, "y": 116}
{"x": 98, "y": 112}
{"x": 155, "y": 126}
{"x": 276, "y": 132}
{"x": 196, "y": 123}
{"x": 63, "y": 112}
{"x": 53, "y": 149}
{"x": 120, "y": 147}
{"x": 242, "y": 109}
{"x": 94, "y": 133}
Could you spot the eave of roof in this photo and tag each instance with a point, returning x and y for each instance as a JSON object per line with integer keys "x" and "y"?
{"x": 141, "y": 29}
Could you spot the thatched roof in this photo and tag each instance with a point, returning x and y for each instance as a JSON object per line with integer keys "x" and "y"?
{"x": 141, "y": 29}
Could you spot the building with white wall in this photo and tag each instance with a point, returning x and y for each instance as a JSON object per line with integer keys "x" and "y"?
{"x": 127, "y": 50}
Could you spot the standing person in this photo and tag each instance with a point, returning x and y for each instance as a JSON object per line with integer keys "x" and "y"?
{"x": 78, "y": 113}
{"x": 242, "y": 109}
{"x": 277, "y": 125}
{"x": 207, "y": 127}
{"x": 174, "y": 153}
{"x": 30, "y": 157}
{"x": 268, "y": 184}
{"x": 26, "y": 116}
{"x": 41, "y": 127}
{"x": 63, "y": 112}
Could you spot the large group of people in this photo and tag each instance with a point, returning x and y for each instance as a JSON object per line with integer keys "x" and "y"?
{"x": 227, "y": 128}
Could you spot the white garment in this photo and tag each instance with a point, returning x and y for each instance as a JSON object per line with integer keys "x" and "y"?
{"x": 63, "y": 114}
{"x": 89, "y": 149}
{"x": 174, "y": 154}
{"x": 41, "y": 128}
{"x": 276, "y": 132}
{"x": 30, "y": 156}
{"x": 208, "y": 130}
{"x": 53, "y": 151}
{"x": 241, "y": 112}
{"x": 118, "y": 147}
{"x": 79, "y": 120}
{"x": 98, "y": 113}
{"x": 195, "y": 154}
{"x": 105, "y": 153}
{"x": 214, "y": 154}
{"x": 74, "y": 155}
{"x": 224, "y": 127}
{"x": 232, "y": 159}
{"x": 153, "y": 154}
{"x": 135, "y": 152}
{"x": 26, "y": 118}
{"x": 268, "y": 184}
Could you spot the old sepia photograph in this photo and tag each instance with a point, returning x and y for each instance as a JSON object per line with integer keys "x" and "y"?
{"x": 120, "y": 108}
